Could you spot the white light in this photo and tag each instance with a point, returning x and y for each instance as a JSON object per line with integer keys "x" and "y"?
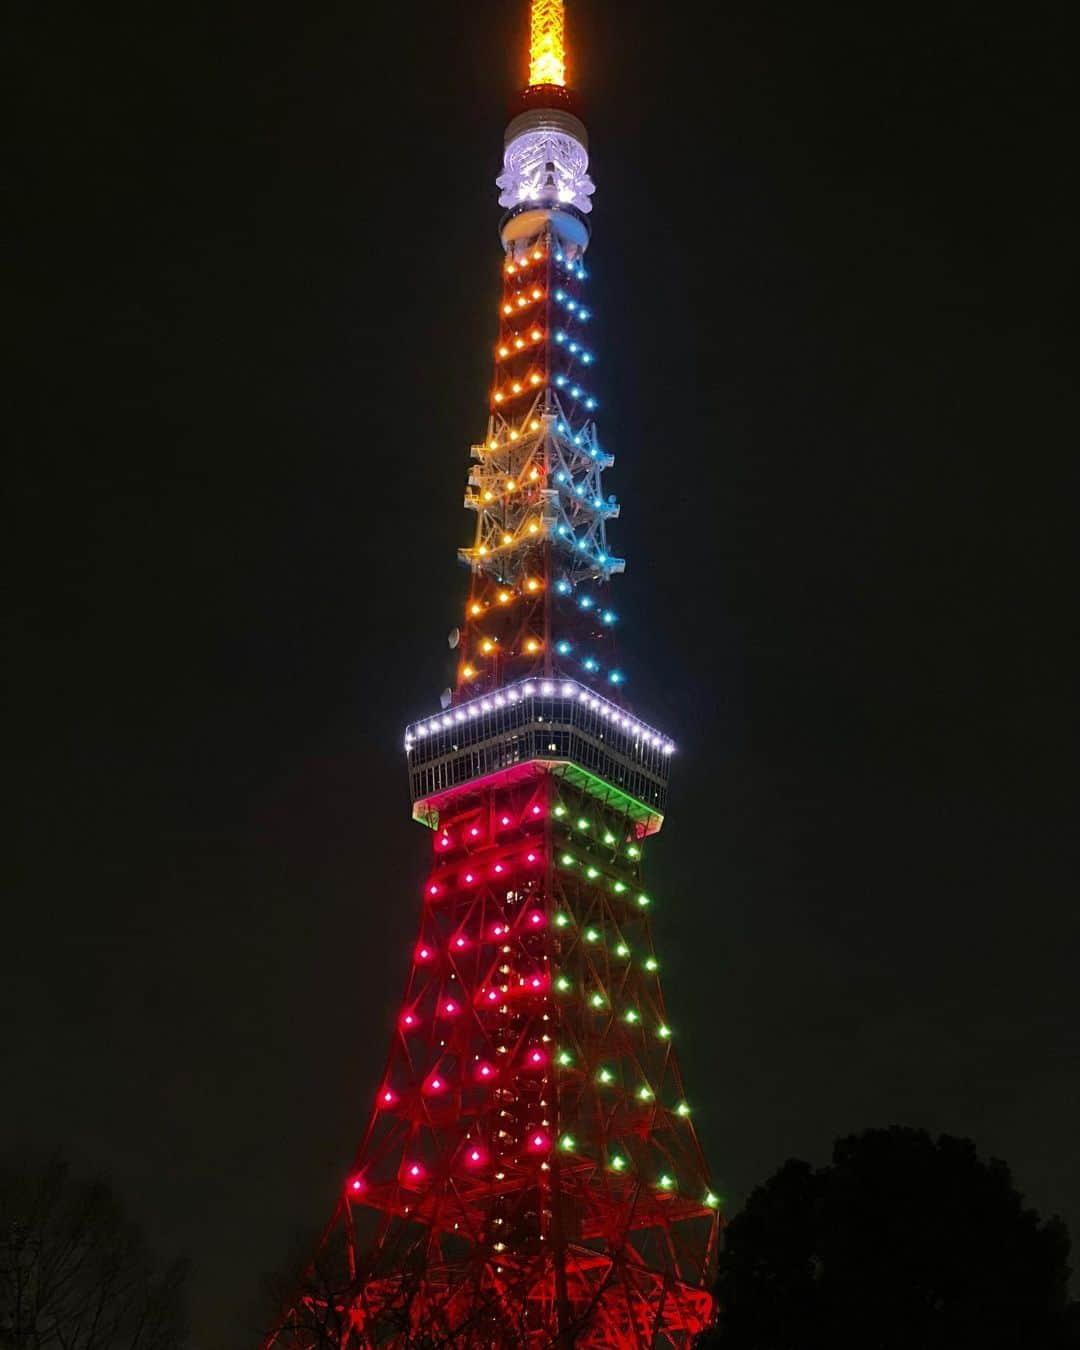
{"x": 528, "y": 691}
{"x": 474, "y": 711}
{"x": 547, "y": 690}
{"x": 448, "y": 721}
{"x": 568, "y": 690}
{"x": 421, "y": 731}
{"x": 584, "y": 696}
{"x": 500, "y": 702}
{"x": 512, "y": 695}
{"x": 485, "y": 706}
{"x": 459, "y": 717}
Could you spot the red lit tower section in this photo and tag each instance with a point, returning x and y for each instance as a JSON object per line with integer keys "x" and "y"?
{"x": 530, "y": 1175}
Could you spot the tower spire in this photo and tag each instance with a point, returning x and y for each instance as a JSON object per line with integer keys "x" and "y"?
{"x": 547, "y": 43}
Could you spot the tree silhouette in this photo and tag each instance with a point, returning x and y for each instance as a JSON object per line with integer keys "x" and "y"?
{"x": 903, "y": 1241}
{"x": 75, "y": 1273}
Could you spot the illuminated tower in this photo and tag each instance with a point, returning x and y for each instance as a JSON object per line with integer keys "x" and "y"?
{"x": 530, "y": 1175}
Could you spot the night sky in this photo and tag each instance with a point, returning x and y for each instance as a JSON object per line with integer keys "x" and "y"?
{"x": 255, "y": 269}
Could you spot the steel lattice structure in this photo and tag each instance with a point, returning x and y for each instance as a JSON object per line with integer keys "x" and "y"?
{"x": 530, "y": 1175}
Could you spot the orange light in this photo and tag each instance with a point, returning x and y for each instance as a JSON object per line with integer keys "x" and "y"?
{"x": 493, "y": 445}
{"x": 547, "y": 42}
{"x": 519, "y": 343}
{"x": 533, "y": 584}
{"x": 468, "y": 672}
{"x": 511, "y": 486}
{"x": 504, "y": 351}
{"x": 534, "y": 426}
{"x": 532, "y": 646}
{"x": 482, "y": 551}
{"x": 487, "y": 647}
{"x": 508, "y": 309}
{"x": 514, "y": 435}
{"x": 536, "y": 335}
{"x": 508, "y": 538}
{"x": 522, "y": 302}
{"x": 504, "y": 597}
{"x": 477, "y": 609}
{"x": 511, "y": 269}
{"x": 498, "y": 398}
{"x": 534, "y": 528}
{"x": 535, "y": 475}
{"x": 538, "y": 255}
{"x": 534, "y": 379}
{"x": 516, "y": 388}
{"x": 489, "y": 496}
{"x": 537, "y": 293}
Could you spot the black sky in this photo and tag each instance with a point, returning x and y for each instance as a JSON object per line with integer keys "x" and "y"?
{"x": 255, "y": 265}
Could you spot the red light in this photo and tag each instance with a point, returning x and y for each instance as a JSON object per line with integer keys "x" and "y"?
{"x": 474, "y": 832}
{"x": 461, "y": 943}
{"x": 449, "y": 1008}
{"x": 531, "y": 857}
{"x": 444, "y": 842}
{"x": 424, "y": 954}
{"x": 498, "y": 930}
{"x": 537, "y": 810}
{"x": 433, "y": 890}
{"x": 537, "y": 982}
{"x": 537, "y": 1058}
{"x": 358, "y": 1185}
{"x": 416, "y": 1172}
{"x": 388, "y": 1098}
{"x": 493, "y": 996}
{"x": 536, "y": 918}
{"x": 469, "y": 878}
{"x": 410, "y": 1020}
{"x": 506, "y": 820}
{"x": 475, "y": 1156}
{"x": 485, "y": 1071}
{"x": 539, "y": 1142}
{"x": 499, "y": 869}
{"x": 435, "y": 1085}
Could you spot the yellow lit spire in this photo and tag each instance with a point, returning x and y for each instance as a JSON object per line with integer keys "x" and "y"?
{"x": 547, "y": 42}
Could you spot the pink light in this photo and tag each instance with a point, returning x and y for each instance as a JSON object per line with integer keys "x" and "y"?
{"x": 531, "y": 857}
{"x": 505, "y": 820}
{"x": 461, "y": 943}
{"x": 498, "y": 869}
{"x": 450, "y": 1008}
{"x": 469, "y": 878}
{"x": 358, "y": 1185}
{"x": 444, "y": 842}
{"x": 475, "y": 1156}
{"x": 538, "y": 1057}
{"x": 424, "y": 954}
{"x": 416, "y": 1172}
{"x": 539, "y": 1143}
{"x": 536, "y": 919}
{"x": 537, "y": 982}
{"x": 409, "y": 1020}
{"x": 474, "y": 832}
{"x": 485, "y": 1071}
{"x": 492, "y": 996}
{"x": 388, "y": 1098}
{"x": 537, "y": 810}
{"x": 498, "y": 930}
{"x": 433, "y": 890}
{"x": 435, "y": 1085}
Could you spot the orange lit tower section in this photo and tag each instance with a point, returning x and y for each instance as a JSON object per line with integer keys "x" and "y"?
{"x": 530, "y": 1175}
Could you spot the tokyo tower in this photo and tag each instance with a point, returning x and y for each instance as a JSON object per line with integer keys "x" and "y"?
{"x": 530, "y": 1175}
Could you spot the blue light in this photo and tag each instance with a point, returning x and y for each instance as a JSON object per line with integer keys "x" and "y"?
{"x": 560, "y": 336}
{"x": 581, "y": 274}
{"x": 571, "y": 305}
{"x": 616, "y": 677}
{"x": 563, "y": 587}
{"x": 560, "y": 477}
{"x": 608, "y": 617}
{"x": 577, "y": 439}
{"x": 591, "y": 665}
{"x": 564, "y": 649}
{"x": 587, "y": 358}
{"x": 573, "y": 346}
{"x": 594, "y": 452}
{"x": 580, "y": 489}
{"x": 601, "y": 557}
{"x": 564, "y": 531}
{"x": 586, "y": 602}
{"x": 560, "y": 295}
{"x": 583, "y": 315}
{"x": 599, "y": 503}
{"x": 562, "y": 428}
{"x": 575, "y": 392}
{"x": 560, "y": 380}
{"x": 559, "y": 257}
{"x": 590, "y": 403}
{"x": 582, "y": 545}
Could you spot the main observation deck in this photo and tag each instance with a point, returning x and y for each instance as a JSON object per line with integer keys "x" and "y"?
{"x": 541, "y": 726}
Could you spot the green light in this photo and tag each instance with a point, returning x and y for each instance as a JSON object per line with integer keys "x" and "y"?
{"x": 632, "y": 1015}
{"x": 683, "y": 1109}
{"x": 644, "y": 901}
{"x": 713, "y": 1201}
{"x": 567, "y": 860}
{"x": 561, "y": 920}
{"x": 583, "y": 824}
{"x": 591, "y": 935}
{"x": 566, "y": 1059}
{"x": 566, "y": 1143}
{"x": 633, "y": 852}
{"x": 559, "y": 811}
{"x": 592, "y": 873}
{"x": 618, "y": 888}
{"x": 605, "y": 1076}
{"x": 597, "y": 1000}
{"x": 645, "y": 1093}
{"x": 618, "y": 1163}
{"x": 652, "y": 963}
{"x": 665, "y": 1182}
{"x": 563, "y": 985}
{"x": 664, "y": 1032}
{"x": 622, "y": 950}
{"x": 609, "y": 838}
